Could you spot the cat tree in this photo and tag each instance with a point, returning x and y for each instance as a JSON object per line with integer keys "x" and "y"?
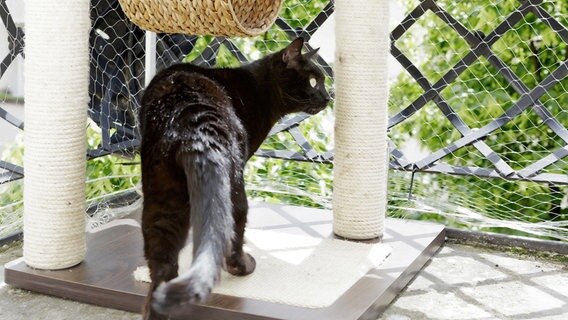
{"x": 55, "y": 173}
{"x": 56, "y": 107}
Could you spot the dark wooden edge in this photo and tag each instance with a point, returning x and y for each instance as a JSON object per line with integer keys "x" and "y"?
{"x": 14, "y": 276}
{"x": 393, "y": 289}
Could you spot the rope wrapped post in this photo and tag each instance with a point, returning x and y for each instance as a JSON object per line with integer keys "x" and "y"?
{"x": 360, "y": 162}
{"x": 56, "y": 88}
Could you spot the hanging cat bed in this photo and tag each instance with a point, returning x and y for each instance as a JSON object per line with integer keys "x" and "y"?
{"x": 203, "y": 17}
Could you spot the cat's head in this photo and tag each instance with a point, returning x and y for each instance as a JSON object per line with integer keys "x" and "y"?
{"x": 301, "y": 83}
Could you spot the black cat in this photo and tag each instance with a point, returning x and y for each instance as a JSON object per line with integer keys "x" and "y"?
{"x": 199, "y": 127}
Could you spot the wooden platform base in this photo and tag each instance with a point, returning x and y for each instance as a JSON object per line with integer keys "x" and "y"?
{"x": 105, "y": 277}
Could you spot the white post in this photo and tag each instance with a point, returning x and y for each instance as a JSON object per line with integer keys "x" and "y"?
{"x": 360, "y": 162}
{"x": 150, "y": 57}
{"x": 56, "y": 88}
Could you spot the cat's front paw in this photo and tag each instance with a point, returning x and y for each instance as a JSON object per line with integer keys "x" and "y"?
{"x": 241, "y": 265}
{"x": 171, "y": 295}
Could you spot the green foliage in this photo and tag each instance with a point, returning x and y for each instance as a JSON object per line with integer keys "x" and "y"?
{"x": 296, "y": 13}
{"x": 532, "y": 50}
{"x": 110, "y": 174}
{"x": 106, "y": 176}
{"x": 290, "y": 182}
{"x": 274, "y": 180}
{"x": 478, "y": 96}
{"x": 11, "y": 194}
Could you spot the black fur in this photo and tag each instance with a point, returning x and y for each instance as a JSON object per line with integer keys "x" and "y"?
{"x": 199, "y": 127}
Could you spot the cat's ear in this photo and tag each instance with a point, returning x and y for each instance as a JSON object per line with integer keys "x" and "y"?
{"x": 311, "y": 54}
{"x": 293, "y": 50}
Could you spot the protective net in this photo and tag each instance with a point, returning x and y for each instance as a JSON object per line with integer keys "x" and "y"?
{"x": 11, "y": 117}
{"x": 478, "y": 112}
{"x": 483, "y": 95}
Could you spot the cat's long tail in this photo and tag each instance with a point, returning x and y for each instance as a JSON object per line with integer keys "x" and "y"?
{"x": 208, "y": 181}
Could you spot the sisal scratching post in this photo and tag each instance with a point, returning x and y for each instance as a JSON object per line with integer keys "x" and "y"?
{"x": 360, "y": 163}
{"x": 56, "y": 74}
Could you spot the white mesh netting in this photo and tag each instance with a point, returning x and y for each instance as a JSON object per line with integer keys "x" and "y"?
{"x": 478, "y": 113}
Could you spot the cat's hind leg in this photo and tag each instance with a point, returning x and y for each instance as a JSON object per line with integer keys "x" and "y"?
{"x": 165, "y": 225}
{"x": 239, "y": 263}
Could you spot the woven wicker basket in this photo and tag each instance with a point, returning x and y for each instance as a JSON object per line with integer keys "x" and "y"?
{"x": 203, "y": 17}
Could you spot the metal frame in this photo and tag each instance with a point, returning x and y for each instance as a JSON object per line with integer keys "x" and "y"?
{"x": 8, "y": 171}
{"x": 481, "y": 46}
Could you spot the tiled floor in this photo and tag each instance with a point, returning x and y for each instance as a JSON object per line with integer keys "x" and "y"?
{"x": 463, "y": 282}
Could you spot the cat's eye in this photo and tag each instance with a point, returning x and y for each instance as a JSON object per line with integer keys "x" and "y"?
{"x": 313, "y": 82}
